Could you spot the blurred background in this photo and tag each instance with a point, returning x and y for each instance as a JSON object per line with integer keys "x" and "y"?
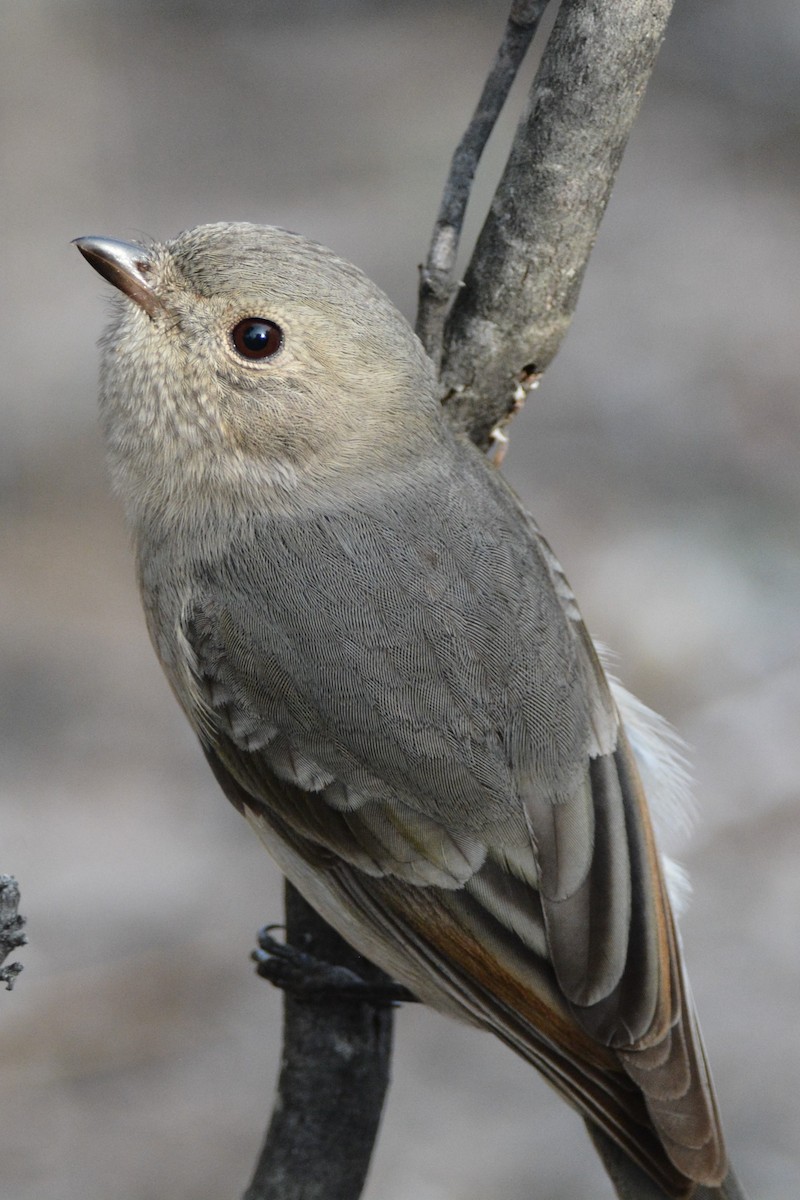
{"x": 660, "y": 456}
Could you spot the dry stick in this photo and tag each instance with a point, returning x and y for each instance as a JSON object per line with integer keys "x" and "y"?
{"x": 333, "y": 1078}
{"x": 504, "y": 328}
{"x": 437, "y": 285}
{"x": 522, "y": 283}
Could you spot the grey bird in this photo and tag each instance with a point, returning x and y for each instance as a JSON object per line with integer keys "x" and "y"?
{"x": 389, "y": 675}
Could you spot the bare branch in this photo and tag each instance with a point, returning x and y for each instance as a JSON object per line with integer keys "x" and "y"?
{"x": 522, "y": 284}
{"x": 334, "y": 1075}
{"x": 436, "y": 285}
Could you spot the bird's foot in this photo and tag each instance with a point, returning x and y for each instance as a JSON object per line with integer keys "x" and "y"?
{"x": 309, "y": 978}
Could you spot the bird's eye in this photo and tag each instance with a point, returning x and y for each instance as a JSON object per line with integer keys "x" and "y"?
{"x": 256, "y": 337}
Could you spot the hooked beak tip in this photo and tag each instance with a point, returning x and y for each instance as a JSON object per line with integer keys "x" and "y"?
{"x": 125, "y": 265}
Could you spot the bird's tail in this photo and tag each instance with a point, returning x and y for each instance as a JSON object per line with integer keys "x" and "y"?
{"x": 631, "y": 1182}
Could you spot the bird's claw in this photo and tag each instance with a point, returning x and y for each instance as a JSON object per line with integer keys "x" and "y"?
{"x": 306, "y": 977}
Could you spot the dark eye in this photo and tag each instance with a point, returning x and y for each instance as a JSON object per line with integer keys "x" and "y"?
{"x": 256, "y": 337}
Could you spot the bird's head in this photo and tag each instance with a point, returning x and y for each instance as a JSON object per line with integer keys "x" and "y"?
{"x": 244, "y": 357}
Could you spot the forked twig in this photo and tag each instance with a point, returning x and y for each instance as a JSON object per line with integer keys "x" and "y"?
{"x": 437, "y": 285}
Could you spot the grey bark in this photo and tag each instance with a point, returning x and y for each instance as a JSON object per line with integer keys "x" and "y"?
{"x": 437, "y": 284}
{"x": 522, "y": 283}
{"x": 333, "y": 1078}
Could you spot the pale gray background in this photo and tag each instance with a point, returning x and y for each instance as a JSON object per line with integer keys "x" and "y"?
{"x": 660, "y": 455}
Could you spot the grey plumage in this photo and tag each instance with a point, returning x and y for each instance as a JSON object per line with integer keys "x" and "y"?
{"x": 390, "y": 678}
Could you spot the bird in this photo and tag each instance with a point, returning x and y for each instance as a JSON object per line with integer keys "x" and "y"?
{"x": 389, "y": 675}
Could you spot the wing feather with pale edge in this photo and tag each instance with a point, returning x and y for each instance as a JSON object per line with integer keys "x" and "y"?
{"x": 502, "y": 954}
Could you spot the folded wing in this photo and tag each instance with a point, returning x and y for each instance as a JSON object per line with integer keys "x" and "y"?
{"x": 449, "y": 783}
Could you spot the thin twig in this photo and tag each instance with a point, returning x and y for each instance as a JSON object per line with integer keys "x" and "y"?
{"x": 437, "y": 285}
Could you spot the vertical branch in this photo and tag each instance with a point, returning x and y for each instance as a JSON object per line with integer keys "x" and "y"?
{"x": 522, "y": 284}
{"x": 437, "y": 285}
{"x": 333, "y": 1078}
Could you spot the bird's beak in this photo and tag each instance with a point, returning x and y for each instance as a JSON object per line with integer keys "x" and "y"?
{"x": 130, "y": 268}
